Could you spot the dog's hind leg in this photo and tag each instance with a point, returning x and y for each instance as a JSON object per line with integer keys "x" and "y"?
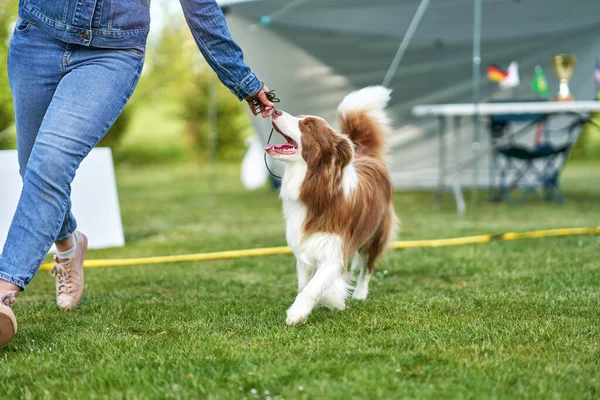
{"x": 356, "y": 262}
{"x": 372, "y": 251}
{"x": 368, "y": 255}
{"x": 364, "y": 276}
{"x": 327, "y": 275}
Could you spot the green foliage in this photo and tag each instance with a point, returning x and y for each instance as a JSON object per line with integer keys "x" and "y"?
{"x": 8, "y": 13}
{"x": 588, "y": 143}
{"x": 169, "y": 62}
{"x": 155, "y": 135}
{"x": 8, "y": 138}
{"x": 505, "y": 320}
{"x": 177, "y": 73}
{"x": 581, "y": 148}
{"x": 232, "y": 125}
{"x": 116, "y": 133}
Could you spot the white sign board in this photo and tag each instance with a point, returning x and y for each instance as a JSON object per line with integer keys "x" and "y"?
{"x": 94, "y": 198}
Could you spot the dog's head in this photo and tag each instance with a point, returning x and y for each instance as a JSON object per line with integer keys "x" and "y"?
{"x": 310, "y": 139}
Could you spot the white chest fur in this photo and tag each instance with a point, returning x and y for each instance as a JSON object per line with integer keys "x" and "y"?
{"x": 294, "y": 210}
{"x": 294, "y": 213}
{"x": 319, "y": 246}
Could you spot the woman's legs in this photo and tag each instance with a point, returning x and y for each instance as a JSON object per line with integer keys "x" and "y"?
{"x": 34, "y": 80}
{"x": 94, "y": 87}
{"x": 34, "y": 72}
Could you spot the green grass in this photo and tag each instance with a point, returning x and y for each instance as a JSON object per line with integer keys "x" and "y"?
{"x": 155, "y": 134}
{"x": 505, "y": 320}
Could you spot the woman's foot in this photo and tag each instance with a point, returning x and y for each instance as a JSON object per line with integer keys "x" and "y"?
{"x": 8, "y": 322}
{"x": 69, "y": 273}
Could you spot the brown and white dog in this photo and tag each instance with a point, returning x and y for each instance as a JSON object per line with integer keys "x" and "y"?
{"x": 337, "y": 198}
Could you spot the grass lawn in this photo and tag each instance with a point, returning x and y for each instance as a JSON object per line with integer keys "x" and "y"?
{"x": 505, "y": 320}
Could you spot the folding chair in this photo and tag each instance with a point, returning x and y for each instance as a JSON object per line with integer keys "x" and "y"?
{"x": 533, "y": 169}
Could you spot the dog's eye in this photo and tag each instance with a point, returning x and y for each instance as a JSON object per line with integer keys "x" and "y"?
{"x": 307, "y": 124}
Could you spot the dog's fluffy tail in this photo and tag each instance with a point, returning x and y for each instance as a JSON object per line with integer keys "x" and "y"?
{"x": 362, "y": 117}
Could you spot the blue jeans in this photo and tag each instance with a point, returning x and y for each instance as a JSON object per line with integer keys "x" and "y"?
{"x": 66, "y": 97}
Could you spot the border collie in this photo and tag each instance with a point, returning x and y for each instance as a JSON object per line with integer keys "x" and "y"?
{"x": 337, "y": 198}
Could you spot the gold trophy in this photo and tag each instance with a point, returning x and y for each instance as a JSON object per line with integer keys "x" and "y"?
{"x": 564, "y": 64}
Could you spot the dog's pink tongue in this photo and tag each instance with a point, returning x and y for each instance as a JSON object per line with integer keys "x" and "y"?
{"x": 269, "y": 147}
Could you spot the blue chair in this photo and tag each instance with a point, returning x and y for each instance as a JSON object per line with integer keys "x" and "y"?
{"x": 535, "y": 169}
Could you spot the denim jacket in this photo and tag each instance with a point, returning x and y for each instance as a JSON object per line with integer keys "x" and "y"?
{"x": 125, "y": 24}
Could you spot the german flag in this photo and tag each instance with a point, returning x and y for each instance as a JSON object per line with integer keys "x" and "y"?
{"x": 496, "y": 74}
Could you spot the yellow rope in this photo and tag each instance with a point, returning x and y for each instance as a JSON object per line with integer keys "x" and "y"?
{"x": 407, "y": 244}
{"x": 494, "y": 237}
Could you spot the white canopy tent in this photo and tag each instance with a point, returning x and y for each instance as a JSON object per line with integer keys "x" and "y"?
{"x": 313, "y": 52}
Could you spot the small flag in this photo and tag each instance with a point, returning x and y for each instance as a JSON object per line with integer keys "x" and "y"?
{"x": 539, "y": 84}
{"x": 496, "y": 74}
{"x": 512, "y": 78}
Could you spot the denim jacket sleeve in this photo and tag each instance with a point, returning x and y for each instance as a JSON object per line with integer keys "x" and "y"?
{"x": 209, "y": 28}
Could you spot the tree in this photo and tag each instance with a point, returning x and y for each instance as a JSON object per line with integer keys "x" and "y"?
{"x": 179, "y": 73}
{"x": 232, "y": 124}
{"x": 8, "y": 14}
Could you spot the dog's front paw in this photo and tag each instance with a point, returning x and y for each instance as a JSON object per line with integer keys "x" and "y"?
{"x": 360, "y": 293}
{"x": 297, "y": 315}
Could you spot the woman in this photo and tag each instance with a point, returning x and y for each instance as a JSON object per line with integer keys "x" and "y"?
{"x": 72, "y": 66}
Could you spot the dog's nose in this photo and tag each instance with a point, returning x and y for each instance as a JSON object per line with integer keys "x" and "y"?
{"x": 276, "y": 113}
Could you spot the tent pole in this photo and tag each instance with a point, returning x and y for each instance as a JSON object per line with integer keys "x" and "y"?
{"x": 389, "y": 75}
{"x": 476, "y": 99}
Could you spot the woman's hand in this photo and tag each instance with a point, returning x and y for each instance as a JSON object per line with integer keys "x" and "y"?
{"x": 264, "y": 104}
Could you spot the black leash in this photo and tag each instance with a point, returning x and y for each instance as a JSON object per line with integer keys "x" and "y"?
{"x": 256, "y": 106}
{"x": 265, "y": 157}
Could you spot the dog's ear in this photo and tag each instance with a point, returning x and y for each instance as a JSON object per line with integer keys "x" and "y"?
{"x": 311, "y": 154}
{"x": 344, "y": 152}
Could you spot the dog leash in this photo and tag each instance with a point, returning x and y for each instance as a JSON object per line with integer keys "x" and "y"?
{"x": 255, "y": 105}
{"x": 265, "y": 157}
